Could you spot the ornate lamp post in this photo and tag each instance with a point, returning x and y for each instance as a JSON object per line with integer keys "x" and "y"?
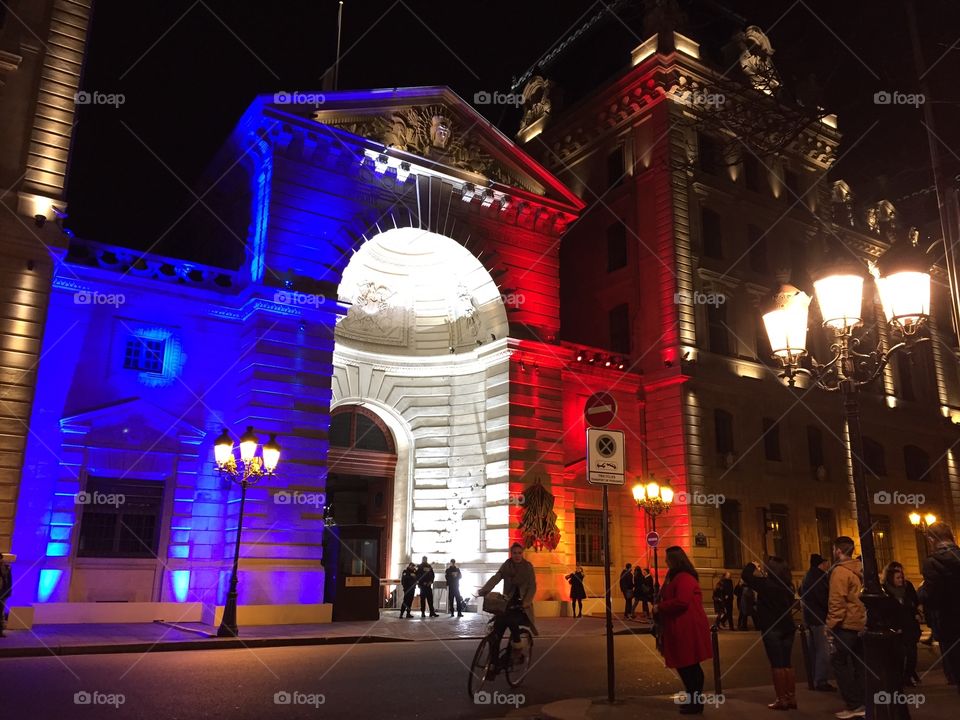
{"x": 920, "y": 524}
{"x": 903, "y": 281}
{"x": 654, "y": 498}
{"x": 249, "y": 471}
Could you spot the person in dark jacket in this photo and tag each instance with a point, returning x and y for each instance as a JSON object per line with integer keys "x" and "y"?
{"x": 726, "y": 601}
{"x": 814, "y": 593}
{"x": 643, "y": 590}
{"x": 907, "y": 622}
{"x": 6, "y": 588}
{"x": 685, "y": 631}
{"x": 775, "y": 600}
{"x": 577, "y": 591}
{"x": 626, "y": 587}
{"x": 425, "y": 578}
{"x": 941, "y": 582}
{"x": 738, "y": 595}
{"x": 749, "y": 599}
{"x": 454, "y": 598}
{"x": 408, "y": 581}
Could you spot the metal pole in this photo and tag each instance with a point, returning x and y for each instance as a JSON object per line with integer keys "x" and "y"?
{"x": 717, "y": 675}
{"x": 656, "y": 564}
{"x": 808, "y": 661}
{"x": 228, "y": 624}
{"x": 336, "y": 64}
{"x": 611, "y": 682}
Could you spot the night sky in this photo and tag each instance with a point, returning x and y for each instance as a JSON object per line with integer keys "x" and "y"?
{"x": 188, "y": 69}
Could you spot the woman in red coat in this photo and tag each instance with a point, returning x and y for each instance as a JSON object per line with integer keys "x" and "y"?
{"x": 684, "y": 627}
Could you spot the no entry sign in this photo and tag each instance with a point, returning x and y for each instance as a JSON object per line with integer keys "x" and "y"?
{"x": 600, "y": 409}
{"x": 653, "y": 538}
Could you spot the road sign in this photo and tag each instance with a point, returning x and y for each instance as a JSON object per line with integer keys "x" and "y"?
{"x": 605, "y": 457}
{"x": 600, "y": 409}
{"x": 653, "y": 538}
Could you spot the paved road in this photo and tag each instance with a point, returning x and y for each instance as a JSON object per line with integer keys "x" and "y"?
{"x": 394, "y": 680}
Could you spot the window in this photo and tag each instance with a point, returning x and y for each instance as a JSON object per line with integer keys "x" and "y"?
{"x": 792, "y": 180}
{"x": 718, "y": 335}
{"x": 616, "y": 246}
{"x": 757, "y": 244}
{"x": 589, "y": 537}
{"x": 752, "y": 172}
{"x": 883, "y": 541}
{"x": 905, "y": 379}
{"x": 780, "y": 531}
{"x": 771, "y": 439}
{"x": 723, "y": 431}
{"x": 826, "y": 531}
{"x": 764, "y": 351}
{"x": 712, "y": 233}
{"x": 144, "y": 354}
{"x": 815, "y": 447}
{"x": 730, "y": 532}
{"x": 917, "y": 463}
{"x": 710, "y": 154}
{"x": 874, "y": 461}
{"x": 354, "y": 428}
{"x": 619, "y": 324}
{"x": 615, "y": 166}
{"x": 121, "y": 518}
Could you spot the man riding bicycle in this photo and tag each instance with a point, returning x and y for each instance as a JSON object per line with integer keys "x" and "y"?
{"x": 519, "y": 587}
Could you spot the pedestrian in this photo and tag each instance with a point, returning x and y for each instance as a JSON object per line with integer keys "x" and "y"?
{"x": 519, "y": 588}
{"x": 775, "y": 600}
{"x": 846, "y": 619}
{"x": 638, "y": 591}
{"x": 577, "y": 591}
{"x": 684, "y": 629}
{"x": 814, "y": 593}
{"x": 6, "y": 588}
{"x": 408, "y": 582}
{"x": 749, "y": 607}
{"x": 626, "y": 587}
{"x": 738, "y": 594}
{"x": 644, "y": 590}
{"x": 941, "y": 582}
{"x": 454, "y": 599}
{"x": 718, "y": 602}
{"x": 425, "y": 577}
{"x": 907, "y": 622}
{"x": 726, "y": 600}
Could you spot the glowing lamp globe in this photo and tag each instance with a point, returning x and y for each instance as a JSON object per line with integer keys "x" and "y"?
{"x": 271, "y": 454}
{"x": 840, "y": 296}
{"x": 248, "y": 445}
{"x": 903, "y": 281}
{"x": 786, "y": 324}
{"x": 666, "y": 493}
{"x": 653, "y": 490}
{"x": 929, "y": 519}
{"x": 914, "y": 518}
{"x": 223, "y": 448}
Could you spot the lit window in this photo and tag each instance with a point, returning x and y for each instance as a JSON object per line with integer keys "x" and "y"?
{"x": 144, "y": 354}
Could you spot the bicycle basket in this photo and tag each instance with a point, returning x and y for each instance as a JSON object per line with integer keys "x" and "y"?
{"x": 494, "y": 602}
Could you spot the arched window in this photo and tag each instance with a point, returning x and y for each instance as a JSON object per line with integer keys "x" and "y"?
{"x": 917, "y": 463}
{"x": 874, "y": 460}
{"x": 359, "y": 429}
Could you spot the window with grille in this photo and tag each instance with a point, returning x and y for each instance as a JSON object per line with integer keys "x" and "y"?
{"x": 883, "y": 541}
{"x": 589, "y": 537}
{"x": 826, "y": 531}
{"x": 120, "y": 518}
{"x": 144, "y": 354}
{"x": 780, "y": 530}
{"x": 771, "y": 439}
{"x": 730, "y": 532}
{"x": 718, "y": 333}
{"x": 723, "y": 430}
{"x": 917, "y": 463}
{"x": 874, "y": 459}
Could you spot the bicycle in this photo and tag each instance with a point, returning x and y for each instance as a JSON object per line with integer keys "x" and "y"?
{"x": 515, "y": 659}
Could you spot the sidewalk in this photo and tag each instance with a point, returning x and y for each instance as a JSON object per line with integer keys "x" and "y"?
{"x": 85, "y": 639}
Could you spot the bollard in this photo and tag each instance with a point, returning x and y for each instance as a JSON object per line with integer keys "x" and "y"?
{"x": 715, "y": 637}
{"x": 807, "y": 660}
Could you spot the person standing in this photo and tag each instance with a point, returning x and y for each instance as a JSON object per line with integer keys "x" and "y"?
{"x": 726, "y": 600}
{"x": 846, "y": 619}
{"x": 577, "y": 591}
{"x": 644, "y": 590}
{"x": 425, "y": 578}
{"x": 454, "y": 599}
{"x": 684, "y": 627}
{"x": 408, "y": 581}
{"x": 941, "y": 582}
{"x": 907, "y": 623}
{"x": 775, "y": 599}
{"x": 814, "y": 593}
{"x": 749, "y": 607}
{"x": 6, "y": 588}
{"x": 738, "y": 594}
{"x": 626, "y": 587}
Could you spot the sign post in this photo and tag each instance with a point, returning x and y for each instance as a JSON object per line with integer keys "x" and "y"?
{"x": 605, "y": 467}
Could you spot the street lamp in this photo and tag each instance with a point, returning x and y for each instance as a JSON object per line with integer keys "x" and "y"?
{"x": 249, "y": 471}
{"x": 903, "y": 281}
{"x": 920, "y": 524}
{"x": 654, "y": 498}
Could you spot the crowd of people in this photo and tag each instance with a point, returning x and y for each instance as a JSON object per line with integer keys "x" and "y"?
{"x": 422, "y": 577}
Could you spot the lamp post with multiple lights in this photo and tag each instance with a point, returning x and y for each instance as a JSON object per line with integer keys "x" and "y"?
{"x": 654, "y": 499}
{"x": 920, "y": 524}
{"x": 250, "y": 469}
{"x": 903, "y": 281}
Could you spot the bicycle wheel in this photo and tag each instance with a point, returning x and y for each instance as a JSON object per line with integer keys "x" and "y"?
{"x": 518, "y": 667}
{"x": 478, "y": 668}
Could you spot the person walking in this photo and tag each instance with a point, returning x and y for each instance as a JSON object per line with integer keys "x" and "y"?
{"x": 718, "y": 603}
{"x": 408, "y": 581}
{"x": 6, "y": 588}
{"x": 643, "y": 590}
{"x": 941, "y": 582}
{"x": 907, "y": 622}
{"x": 726, "y": 600}
{"x": 775, "y": 601}
{"x": 814, "y": 593}
{"x": 684, "y": 629}
{"x": 577, "y": 591}
{"x": 425, "y": 578}
{"x": 626, "y": 587}
{"x": 846, "y": 619}
{"x": 454, "y": 599}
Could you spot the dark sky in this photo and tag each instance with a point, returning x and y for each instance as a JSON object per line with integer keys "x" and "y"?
{"x": 188, "y": 69}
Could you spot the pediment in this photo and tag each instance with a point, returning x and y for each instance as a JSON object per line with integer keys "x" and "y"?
{"x": 132, "y": 423}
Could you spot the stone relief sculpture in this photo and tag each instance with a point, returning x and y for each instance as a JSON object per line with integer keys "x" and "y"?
{"x": 537, "y": 101}
{"x": 756, "y": 62}
{"x": 842, "y": 201}
{"x": 374, "y": 318}
{"x": 464, "y": 318}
